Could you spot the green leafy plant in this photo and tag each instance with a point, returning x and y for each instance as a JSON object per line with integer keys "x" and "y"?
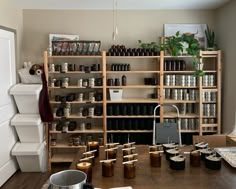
{"x": 175, "y": 46}
{"x": 151, "y": 45}
{"x": 210, "y": 35}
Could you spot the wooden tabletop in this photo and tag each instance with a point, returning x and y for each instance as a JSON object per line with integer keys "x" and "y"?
{"x": 163, "y": 177}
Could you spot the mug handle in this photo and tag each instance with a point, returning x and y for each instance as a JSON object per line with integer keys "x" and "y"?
{"x": 88, "y": 186}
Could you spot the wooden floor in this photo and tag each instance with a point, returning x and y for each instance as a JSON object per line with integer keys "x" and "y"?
{"x": 30, "y": 180}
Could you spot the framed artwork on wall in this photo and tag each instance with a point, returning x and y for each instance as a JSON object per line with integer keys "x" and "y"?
{"x": 197, "y": 29}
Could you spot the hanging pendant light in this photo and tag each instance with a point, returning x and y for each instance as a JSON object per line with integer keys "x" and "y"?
{"x": 115, "y": 28}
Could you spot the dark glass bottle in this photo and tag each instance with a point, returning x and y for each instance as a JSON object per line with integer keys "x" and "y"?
{"x": 124, "y": 80}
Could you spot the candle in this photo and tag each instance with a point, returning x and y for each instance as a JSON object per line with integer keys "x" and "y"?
{"x": 154, "y": 148}
{"x": 107, "y": 168}
{"x": 129, "y": 169}
{"x": 110, "y": 153}
{"x": 155, "y": 159}
{"x": 90, "y": 156}
{"x": 129, "y": 157}
{"x": 195, "y": 158}
{"x": 94, "y": 146}
{"x": 86, "y": 167}
{"x": 128, "y": 151}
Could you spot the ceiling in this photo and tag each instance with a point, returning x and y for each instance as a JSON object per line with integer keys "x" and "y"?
{"x": 121, "y": 4}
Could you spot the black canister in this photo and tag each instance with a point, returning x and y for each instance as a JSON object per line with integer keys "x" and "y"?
{"x": 116, "y": 110}
{"x": 116, "y": 124}
{"x": 130, "y": 109}
{"x": 58, "y": 68}
{"x": 143, "y": 109}
{"x": 109, "y": 110}
{"x": 72, "y": 125}
{"x": 129, "y": 124}
{"x": 109, "y": 124}
{"x": 57, "y": 98}
{"x": 117, "y": 82}
{"x": 98, "y": 111}
{"x": 153, "y": 81}
{"x": 58, "y": 83}
{"x": 173, "y": 65}
{"x": 150, "y": 109}
{"x": 88, "y": 126}
{"x": 123, "y": 109}
{"x": 110, "y": 82}
{"x": 81, "y": 68}
{"x": 137, "y": 109}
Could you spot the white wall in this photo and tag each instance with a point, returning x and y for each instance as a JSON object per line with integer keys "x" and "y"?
{"x": 12, "y": 17}
{"x": 132, "y": 25}
{"x": 226, "y": 30}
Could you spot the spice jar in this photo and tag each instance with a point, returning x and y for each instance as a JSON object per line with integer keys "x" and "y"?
{"x": 65, "y": 82}
{"x": 52, "y": 67}
{"x": 64, "y": 67}
{"x": 67, "y": 110}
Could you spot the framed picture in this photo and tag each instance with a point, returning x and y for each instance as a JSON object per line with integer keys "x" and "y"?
{"x": 197, "y": 29}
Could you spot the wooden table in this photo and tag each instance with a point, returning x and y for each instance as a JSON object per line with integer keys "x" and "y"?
{"x": 148, "y": 177}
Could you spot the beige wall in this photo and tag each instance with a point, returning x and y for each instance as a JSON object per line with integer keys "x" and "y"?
{"x": 12, "y": 17}
{"x": 132, "y": 25}
{"x": 226, "y": 30}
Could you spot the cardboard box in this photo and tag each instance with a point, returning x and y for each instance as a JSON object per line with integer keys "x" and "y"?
{"x": 212, "y": 140}
{"x": 231, "y": 140}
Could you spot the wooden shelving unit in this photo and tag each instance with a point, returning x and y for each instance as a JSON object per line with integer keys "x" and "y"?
{"x": 137, "y": 93}
{"x": 62, "y": 151}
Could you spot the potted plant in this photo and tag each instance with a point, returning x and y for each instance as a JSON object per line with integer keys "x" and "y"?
{"x": 210, "y": 35}
{"x": 177, "y": 44}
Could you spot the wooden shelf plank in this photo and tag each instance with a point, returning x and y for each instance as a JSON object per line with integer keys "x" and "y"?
{"x": 187, "y": 72}
{"x": 79, "y": 117}
{"x": 77, "y": 102}
{"x": 76, "y": 87}
{"x": 189, "y": 131}
{"x": 180, "y": 101}
{"x": 133, "y": 116}
{"x": 181, "y": 87}
{"x": 182, "y": 56}
{"x": 134, "y": 100}
{"x": 78, "y": 131}
{"x": 76, "y": 72}
{"x": 132, "y": 72}
{"x": 131, "y": 57}
{"x": 134, "y": 87}
{"x": 210, "y": 102}
{"x": 174, "y": 115}
{"x": 210, "y": 125}
{"x": 75, "y": 56}
{"x": 63, "y": 144}
{"x": 63, "y": 157}
{"x": 129, "y": 131}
